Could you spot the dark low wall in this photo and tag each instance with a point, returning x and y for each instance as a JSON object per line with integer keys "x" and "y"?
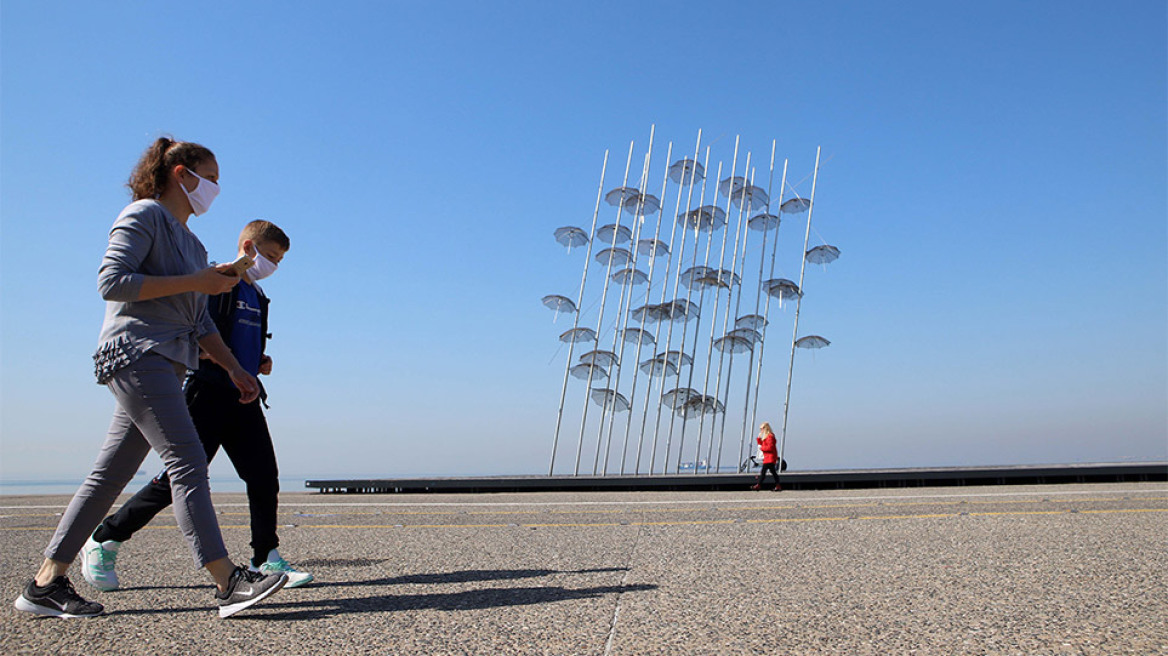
{"x": 794, "y": 480}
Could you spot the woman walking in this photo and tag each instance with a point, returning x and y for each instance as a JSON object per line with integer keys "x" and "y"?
{"x": 155, "y": 280}
{"x": 770, "y": 456}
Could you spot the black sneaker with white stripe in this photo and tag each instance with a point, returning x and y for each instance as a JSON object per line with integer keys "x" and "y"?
{"x": 57, "y": 599}
{"x": 246, "y": 588}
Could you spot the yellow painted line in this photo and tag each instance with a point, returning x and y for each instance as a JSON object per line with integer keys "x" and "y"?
{"x": 1019, "y": 513}
{"x": 783, "y": 520}
{"x": 1134, "y": 510}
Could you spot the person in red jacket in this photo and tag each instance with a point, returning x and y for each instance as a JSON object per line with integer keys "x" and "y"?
{"x": 770, "y": 455}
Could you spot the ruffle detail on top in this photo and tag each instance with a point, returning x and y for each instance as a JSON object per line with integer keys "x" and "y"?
{"x": 113, "y": 356}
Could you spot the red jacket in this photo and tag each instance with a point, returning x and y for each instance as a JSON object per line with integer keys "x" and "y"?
{"x": 770, "y": 452}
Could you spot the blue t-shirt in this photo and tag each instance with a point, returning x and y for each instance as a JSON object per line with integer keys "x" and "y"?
{"x": 246, "y": 329}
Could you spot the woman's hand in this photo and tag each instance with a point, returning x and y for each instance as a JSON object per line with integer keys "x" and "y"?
{"x": 213, "y": 280}
{"x": 266, "y": 365}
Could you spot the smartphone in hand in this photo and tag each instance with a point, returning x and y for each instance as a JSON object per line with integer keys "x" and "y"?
{"x": 241, "y": 264}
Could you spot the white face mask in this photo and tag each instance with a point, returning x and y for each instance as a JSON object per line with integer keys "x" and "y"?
{"x": 203, "y": 195}
{"x": 262, "y": 268}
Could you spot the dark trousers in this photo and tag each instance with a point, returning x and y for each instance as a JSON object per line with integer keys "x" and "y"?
{"x": 242, "y": 431}
{"x": 774, "y": 469}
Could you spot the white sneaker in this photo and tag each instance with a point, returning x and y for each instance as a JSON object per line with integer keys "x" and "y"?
{"x": 98, "y": 560}
{"x": 277, "y": 565}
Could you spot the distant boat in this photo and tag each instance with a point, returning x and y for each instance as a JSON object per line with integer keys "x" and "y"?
{"x": 690, "y": 466}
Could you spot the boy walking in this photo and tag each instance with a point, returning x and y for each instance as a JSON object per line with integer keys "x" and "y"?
{"x": 221, "y": 420}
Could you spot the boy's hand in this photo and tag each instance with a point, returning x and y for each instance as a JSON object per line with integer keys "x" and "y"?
{"x": 249, "y": 389}
{"x": 266, "y": 365}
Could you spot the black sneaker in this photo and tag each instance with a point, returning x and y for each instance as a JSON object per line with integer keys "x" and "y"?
{"x": 57, "y": 599}
{"x": 246, "y": 588}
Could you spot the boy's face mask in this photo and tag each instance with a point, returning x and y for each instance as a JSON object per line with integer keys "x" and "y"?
{"x": 262, "y": 269}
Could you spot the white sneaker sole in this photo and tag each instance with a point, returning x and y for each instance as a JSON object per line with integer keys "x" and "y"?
{"x": 29, "y": 607}
{"x": 98, "y": 584}
{"x": 231, "y": 609}
{"x": 299, "y": 579}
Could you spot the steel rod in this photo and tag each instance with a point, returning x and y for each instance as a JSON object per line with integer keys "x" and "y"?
{"x": 766, "y": 316}
{"x": 576, "y": 321}
{"x": 664, "y": 294}
{"x": 744, "y": 231}
{"x": 648, "y": 293}
{"x": 798, "y": 304}
{"x": 622, "y": 320}
{"x": 758, "y": 300}
{"x": 600, "y": 321}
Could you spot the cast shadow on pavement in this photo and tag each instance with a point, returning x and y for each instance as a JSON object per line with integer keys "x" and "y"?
{"x": 288, "y": 609}
{"x": 448, "y": 601}
{"x": 464, "y": 576}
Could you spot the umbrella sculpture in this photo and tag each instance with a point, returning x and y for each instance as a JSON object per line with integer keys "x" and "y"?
{"x": 795, "y": 205}
{"x": 690, "y": 276}
{"x": 732, "y": 185}
{"x": 700, "y": 404}
{"x": 752, "y": 197}
{"x": 676, "y": 357}
{"x": 646, "y": 204}
{"x": 586, "y": 369}
{"x": 608, "y": 398}
{"x": 822, "y": 254}
{"x": 629, "y": 276}
{"x": 635, "y": 335}
{"x": 599, "y": 357}
{"x": 750, "y": 334}
{"x": 733, "y": 344}
{"x": 559, "y": 304}
{"x": 621, "y": 196}
{"x": 782, "y": 289}
{"x": 811, "y": 342}
{"x": 685, "y": 171}
{"x": 571, "y": 236}
{"x": 618, "y": 248}
{"x": 652, "y": 247}
{"x": 577, "y": 335}
{"x": 650, "y": 313}
{"x": 752, "y": 321}
{"x": 763, "y": 222}
{"x": 678, "y": 396}
{"x": 658, "y": 366}
{"x": 707, "y": 218}
{"x": 613, "y": 234}
{"x": 620, "y": 257}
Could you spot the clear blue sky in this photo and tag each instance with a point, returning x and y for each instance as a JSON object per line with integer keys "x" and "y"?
{"x": 994, "y": 173}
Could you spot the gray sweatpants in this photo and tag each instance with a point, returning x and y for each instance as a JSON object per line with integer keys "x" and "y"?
{"x": 151, "y": 414}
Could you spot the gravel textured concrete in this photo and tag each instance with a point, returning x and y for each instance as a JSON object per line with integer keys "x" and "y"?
{"x": 1060, "y": 569}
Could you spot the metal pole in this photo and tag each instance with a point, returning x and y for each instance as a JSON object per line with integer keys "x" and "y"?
{"x": 701, "y": 300}
{"x": 600, "y": 320}
{"x": 714, "y": 318}
{"x": 622, "y": 321}
{"x": 664, "y": 290}
{"x": 576, "y": 322}
{"x": 798, "y": 303}
{"x": 648, "y": 292}
{"x": 726, "y": 323}
{"x": 757, "y": 301}
{"x": 685, "y": 321}
{"x": 766, "y": 316}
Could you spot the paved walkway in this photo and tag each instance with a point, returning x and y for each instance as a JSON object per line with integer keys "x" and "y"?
{"x": 1060, "y": 569}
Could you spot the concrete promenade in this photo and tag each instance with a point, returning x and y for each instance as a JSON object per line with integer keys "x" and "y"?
{"x": 1051, "y": 569}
